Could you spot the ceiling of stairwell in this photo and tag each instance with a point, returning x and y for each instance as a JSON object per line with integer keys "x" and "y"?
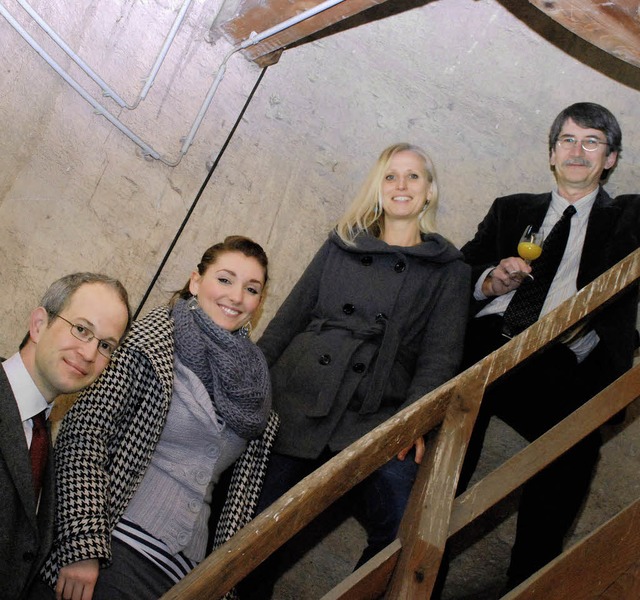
{"x": 612, "y": 25}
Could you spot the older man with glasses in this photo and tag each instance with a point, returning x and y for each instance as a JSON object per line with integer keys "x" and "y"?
{"x": 586, "y": 232}
{"x": 71, "y": 337}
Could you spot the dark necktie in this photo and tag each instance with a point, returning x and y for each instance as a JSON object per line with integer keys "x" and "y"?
{"x": 526, "y": 304}
{"x": 39, "y": 450}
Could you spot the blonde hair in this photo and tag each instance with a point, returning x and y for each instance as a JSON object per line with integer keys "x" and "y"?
{"x": 365, "y": 214}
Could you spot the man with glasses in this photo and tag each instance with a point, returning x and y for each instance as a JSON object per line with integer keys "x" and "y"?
{"x": 71, "y": 337}
{"x": 586, "y": 232}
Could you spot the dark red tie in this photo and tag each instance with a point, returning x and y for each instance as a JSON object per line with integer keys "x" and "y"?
{"x": 39, "y": 450}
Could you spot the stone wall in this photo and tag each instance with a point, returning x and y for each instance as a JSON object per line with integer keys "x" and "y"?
{"x": 475, "y": 83}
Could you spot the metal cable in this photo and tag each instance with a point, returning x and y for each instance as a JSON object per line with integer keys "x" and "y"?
{"x": 198, "y": 195}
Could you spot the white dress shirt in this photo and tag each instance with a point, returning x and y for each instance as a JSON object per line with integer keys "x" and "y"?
{"x": 28, "y": 397}
{"x": 564, "y": 284}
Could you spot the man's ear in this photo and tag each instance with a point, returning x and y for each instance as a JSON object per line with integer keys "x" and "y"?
{"x": 611, "y": 160}
{"x": 38, "y": 322}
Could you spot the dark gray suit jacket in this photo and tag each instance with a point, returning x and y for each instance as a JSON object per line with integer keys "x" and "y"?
{"x": 25, "y": 537}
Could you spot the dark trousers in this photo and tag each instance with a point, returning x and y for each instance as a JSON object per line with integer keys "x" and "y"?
{"x": 379, "y": 503}
{"x": 129, "y": 577}
{"x": 531, "y": 399}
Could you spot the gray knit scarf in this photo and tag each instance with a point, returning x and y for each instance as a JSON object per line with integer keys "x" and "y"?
{"x": 231, "y": 367}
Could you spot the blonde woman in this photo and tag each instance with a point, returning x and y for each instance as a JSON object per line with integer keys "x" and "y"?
{"x": 375, "y": 322}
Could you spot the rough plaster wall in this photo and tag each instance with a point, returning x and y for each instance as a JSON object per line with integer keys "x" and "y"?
{"x": 467, "y": 80}
{"x": 475, "y": 82}
{"x": 75, "y": 193}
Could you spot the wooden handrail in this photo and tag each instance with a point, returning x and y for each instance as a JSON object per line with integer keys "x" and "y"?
{"x": 613, "y": 548}
{"x": 426, "y": 524}
{"x": 221, "y": 570}
{"x": 538, "y": 454}
{"x": 415, "y": 573}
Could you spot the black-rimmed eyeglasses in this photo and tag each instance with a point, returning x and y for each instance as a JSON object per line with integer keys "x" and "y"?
{"x": 589, "y": 144}
{"x": 84, "y": 334}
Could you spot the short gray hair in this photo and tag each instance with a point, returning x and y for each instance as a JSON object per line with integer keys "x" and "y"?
{"x": 59, "y": 294}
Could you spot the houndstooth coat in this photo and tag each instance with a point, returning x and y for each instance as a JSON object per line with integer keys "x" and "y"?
{"x": 106, "y": 442}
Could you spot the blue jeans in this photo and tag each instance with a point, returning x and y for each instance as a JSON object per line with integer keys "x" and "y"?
{"x": 379, "y": 501}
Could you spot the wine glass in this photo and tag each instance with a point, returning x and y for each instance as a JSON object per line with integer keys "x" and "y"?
{"x": 529, "y": 248}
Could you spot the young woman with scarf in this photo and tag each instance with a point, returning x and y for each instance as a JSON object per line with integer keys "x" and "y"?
{"x": 186, "y": 395}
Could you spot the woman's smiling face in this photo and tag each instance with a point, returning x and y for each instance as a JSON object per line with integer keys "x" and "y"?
{"x": 405, "y": 187}
{"x": 230, "y": 290}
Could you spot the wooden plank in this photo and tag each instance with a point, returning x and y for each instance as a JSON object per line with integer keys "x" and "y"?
{"x": 613, "y": 26}
{"x": 260, "y": 15}
{"x": 537, "y": 455}
{"x": 626, "y": 586}
{"x": 371, "y": 579}
{"x": 610, "y": 25}
{"x": 424, "y": 519}
{"x": 425, "y": 523}
{"x": 564, "y": 317}
{"x": 605, "y": 564}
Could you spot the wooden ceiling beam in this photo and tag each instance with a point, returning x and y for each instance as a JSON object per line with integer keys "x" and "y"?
{"x": 260, "y": 15}
{"x": 612, "y": 25}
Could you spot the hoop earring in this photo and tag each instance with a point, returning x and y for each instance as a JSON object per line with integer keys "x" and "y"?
{"x": 245, "y": 330}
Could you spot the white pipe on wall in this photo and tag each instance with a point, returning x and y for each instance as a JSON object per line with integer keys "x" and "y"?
{"x": 106, "y": 89}
{"x": 76, "y": 86}
{"x": 164, "y": 50}
{"x": 253, "y": 39}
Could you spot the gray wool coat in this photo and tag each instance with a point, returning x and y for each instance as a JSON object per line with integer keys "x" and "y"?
{"x": 367, "y": 330}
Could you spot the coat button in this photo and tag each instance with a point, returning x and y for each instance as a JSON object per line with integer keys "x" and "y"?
{"x": 202, "y": 477}
{"x": 366, "y": 260}
{"x": 183, "y": 538}
{"x": 348, "y": 309}
{"x": 28, "y": 556}
{"x": 400, "y": 266}
{"x": 325, "y": 359}
{"x": 359, "y": 368}
{"x": 381, "y": 317}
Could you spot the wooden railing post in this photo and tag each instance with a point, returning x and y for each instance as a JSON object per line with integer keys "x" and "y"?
{"x": 423, "y": 532}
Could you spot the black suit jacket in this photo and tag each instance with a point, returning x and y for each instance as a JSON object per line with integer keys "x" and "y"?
{"x": 613, "y": 230}
{"x": 25, "y": 536}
